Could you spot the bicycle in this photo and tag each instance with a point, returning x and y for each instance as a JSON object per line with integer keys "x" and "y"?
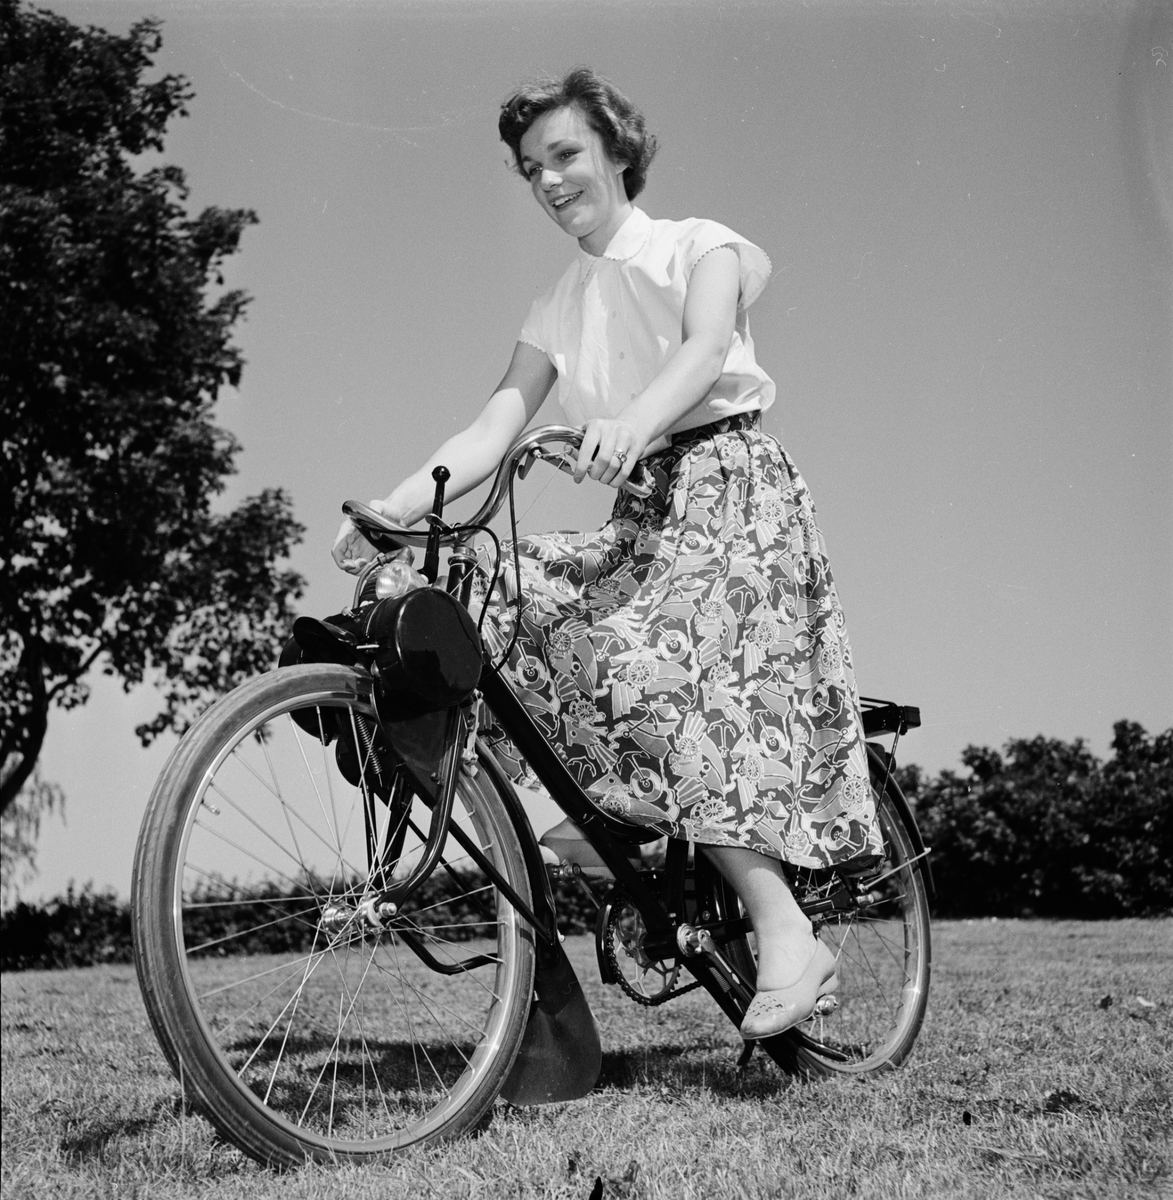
{"x": 345, "y": 934}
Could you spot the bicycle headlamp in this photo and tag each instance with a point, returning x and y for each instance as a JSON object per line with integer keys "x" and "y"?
{"x": 396, "y": 579}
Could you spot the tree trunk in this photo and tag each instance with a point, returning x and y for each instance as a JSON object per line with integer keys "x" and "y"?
{"x": 22, "y": 745}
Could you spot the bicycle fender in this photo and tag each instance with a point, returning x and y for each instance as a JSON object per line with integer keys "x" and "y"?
{"x": 880, "y": 758}
{"x": 560, "y": 1055}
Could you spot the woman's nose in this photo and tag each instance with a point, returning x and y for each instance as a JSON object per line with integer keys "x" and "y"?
{"x": 550, "y": 179}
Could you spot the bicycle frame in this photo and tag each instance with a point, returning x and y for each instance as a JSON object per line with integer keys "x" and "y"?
{"x": 560, "y": 1054}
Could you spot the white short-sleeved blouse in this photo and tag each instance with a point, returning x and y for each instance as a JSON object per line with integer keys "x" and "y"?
{"x": 611, "y": 323}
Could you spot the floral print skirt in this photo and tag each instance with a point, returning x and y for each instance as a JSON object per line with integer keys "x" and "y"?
{"x": 689, "y": 660}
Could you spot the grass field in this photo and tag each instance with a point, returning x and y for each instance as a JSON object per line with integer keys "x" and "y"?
{"x": 1027, "y": 1081}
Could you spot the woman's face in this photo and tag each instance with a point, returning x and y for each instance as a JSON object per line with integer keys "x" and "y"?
{"x": 573, "y": 179}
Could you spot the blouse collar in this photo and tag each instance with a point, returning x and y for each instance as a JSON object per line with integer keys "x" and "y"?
{"x": 630, "y": 238}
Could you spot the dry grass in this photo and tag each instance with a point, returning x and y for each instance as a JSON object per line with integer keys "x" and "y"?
{"x": 1023, "y": 1084}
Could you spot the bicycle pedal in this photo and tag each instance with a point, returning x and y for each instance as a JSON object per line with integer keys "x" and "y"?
{"x": 569, "y": 870}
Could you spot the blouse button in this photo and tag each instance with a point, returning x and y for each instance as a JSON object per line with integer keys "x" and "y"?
{"x": 621, "y": 354}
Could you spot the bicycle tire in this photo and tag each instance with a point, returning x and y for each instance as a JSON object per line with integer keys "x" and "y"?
{"x": 884, "y": 955}
{"x": 302, "y": 1030}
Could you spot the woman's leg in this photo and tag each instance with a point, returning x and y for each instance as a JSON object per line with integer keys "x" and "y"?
{"x": 784, "y": 935}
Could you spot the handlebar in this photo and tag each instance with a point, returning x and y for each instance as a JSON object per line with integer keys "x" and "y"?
{"x": 525, "y": 451}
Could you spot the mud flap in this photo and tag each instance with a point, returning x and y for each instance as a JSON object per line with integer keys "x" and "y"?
{"x": 560, "y": 1056}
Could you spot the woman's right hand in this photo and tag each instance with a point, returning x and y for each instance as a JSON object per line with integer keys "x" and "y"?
{"x": 351, "y": 550}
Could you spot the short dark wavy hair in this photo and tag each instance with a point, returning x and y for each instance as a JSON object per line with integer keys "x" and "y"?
{"x": 607, "y": 110}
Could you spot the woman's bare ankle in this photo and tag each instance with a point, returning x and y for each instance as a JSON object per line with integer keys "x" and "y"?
{"x": 783, "y": 955}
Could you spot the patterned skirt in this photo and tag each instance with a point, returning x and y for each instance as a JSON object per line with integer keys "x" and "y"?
{"x": 689, "y": 660}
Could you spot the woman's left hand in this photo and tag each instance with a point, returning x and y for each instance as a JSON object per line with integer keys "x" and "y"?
{"x": 610, "y": 449}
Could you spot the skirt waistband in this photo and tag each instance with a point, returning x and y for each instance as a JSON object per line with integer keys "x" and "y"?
{"x": 731, "y": 424}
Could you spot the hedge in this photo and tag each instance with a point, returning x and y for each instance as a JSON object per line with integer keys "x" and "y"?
{"x": 83, "y": 928}
{"x": 1042, "y": 829}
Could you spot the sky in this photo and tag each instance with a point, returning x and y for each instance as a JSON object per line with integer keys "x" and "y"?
{"x": 969, "y": 210}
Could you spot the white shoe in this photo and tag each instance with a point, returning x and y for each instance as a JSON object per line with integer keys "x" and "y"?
{"x": 780, "y": 1009}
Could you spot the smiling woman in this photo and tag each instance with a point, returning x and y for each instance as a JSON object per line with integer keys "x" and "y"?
{"x": 689, "y": 660}
{"x": 575, "y": 139}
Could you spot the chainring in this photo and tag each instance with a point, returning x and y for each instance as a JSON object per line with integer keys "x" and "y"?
{"x": 647, "y": 981}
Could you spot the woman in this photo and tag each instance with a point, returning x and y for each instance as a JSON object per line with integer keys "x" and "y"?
{"x": 688, "y": 660}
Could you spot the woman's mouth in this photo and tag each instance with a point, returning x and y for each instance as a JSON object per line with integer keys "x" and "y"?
{"x": 560, "y": 202}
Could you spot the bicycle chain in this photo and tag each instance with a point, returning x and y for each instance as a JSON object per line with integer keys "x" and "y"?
{"x": 619, "y": 902}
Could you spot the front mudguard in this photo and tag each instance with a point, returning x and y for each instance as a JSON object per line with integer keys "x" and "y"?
{"x": 560, "y": 1055}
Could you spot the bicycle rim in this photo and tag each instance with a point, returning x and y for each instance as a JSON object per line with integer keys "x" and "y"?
{"x": 302, "y": 1027}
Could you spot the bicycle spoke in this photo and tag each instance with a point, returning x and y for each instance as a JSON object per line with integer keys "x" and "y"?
{"x": 281, "y": 920}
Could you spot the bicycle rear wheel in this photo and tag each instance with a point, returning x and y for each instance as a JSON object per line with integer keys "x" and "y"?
{"x": 301, "y": 1026}
{"x": 883, "y": 950}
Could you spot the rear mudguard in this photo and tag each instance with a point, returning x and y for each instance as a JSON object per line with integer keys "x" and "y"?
{"x": 560, "y": 1055}
{"x": 881, "y": 761}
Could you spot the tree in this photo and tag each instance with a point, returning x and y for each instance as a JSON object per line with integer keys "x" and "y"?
{"x": 116, "y": 343}
{"x": 1047, "y": 829}
{"x": 20, "y": 826}
{"x": 1128, "y": 862}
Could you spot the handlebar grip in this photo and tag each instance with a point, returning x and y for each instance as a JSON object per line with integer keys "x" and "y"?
{"x": 639, "y": 482}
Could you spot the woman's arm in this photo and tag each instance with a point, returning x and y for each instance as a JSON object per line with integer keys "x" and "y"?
{"x": 710, "y": 310}
{"x": 471, "y": 455}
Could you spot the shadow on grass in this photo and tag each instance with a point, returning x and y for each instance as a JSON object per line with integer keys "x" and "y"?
{"x": 676, "y": 1070}
{"x": 89, "y": 1142}
{"x": 697, "y": 1068}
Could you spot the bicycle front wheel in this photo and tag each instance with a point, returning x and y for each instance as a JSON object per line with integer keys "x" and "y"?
{"x": 304, "y": 1023}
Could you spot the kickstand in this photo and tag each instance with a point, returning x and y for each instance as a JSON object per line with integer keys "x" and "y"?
{"x": 745, "y": 1055}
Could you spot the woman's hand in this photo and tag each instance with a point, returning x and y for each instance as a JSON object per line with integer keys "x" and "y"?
{"x": 351, "y": 550}
{"x": 610, "y": 449}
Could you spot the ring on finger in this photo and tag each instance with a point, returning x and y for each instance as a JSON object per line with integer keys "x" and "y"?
{"x": 620, "y": 456}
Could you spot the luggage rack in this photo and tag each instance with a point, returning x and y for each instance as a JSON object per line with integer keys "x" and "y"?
{"x": 882, "y": 716}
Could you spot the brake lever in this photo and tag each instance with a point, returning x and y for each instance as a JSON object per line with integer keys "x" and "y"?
{"x": 531, "y": 457}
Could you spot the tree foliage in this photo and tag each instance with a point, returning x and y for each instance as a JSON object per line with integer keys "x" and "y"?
{"x": 1047, "y": 829}
{"x": 20, "y": 826}
{"x": 117, "y": 341}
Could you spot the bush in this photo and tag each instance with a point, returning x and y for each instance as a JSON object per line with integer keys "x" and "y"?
{"x": 78, "y": 929}
{"x": 1047, "y": 829}
{"x": 81, "y": 929}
